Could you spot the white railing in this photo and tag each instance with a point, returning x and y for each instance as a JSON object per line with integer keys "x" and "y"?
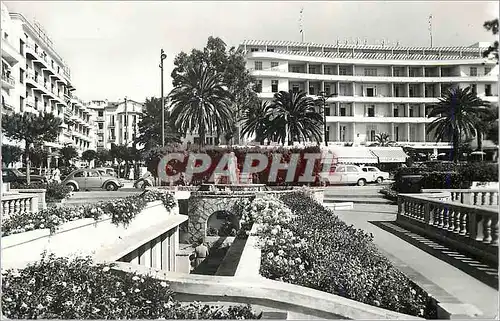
{"x": 472, "y": 228}
{"x": 483, "y": 197}
{"x": 17, "y": 203}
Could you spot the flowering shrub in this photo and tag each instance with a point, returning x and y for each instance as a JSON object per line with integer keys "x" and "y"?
{"x": 309, "y": 246}
{"x": 54, "y": 191}
{"x": 121, "y": 211}
{"x": 60, "y": 288}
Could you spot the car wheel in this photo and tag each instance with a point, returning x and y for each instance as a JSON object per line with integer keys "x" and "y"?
{"x": 380, "y": 180}
{"x": 361, "y": 182}
{"x": 72, "y": 187}
{"x": 111, "y": 187}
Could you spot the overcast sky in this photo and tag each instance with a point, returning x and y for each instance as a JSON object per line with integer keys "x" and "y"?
{"x": 113, "y": 47}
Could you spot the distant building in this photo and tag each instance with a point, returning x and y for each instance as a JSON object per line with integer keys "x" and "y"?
{"x": 372, "y": 89}
{"x": 36, "y": 79}
{"x": 115, "y": 122}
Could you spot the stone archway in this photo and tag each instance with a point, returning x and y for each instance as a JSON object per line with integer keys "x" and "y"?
{"x": 223, "y": 223}
{"x": 203, "y": 206}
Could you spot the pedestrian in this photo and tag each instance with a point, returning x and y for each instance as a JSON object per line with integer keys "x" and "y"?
{"x": 56, "y": 175}
{"x": 201, "y": 252}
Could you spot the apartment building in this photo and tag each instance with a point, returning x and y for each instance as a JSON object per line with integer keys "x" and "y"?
{"x": 116, "y": 122}
{"x": 36, "y": 79}
{"x": 372, "y": 89}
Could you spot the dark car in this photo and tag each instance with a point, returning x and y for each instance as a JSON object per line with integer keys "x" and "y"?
{"x": 11, "y": 175}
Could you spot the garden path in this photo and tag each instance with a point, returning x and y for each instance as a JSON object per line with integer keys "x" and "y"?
{"x": 442, "y": 279}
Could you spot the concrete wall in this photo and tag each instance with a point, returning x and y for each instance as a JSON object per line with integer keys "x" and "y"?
{"x": 102, "y": 239}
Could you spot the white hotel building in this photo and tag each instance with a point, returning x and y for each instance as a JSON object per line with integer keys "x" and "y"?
{"x": 36, "y": 79}
{"x": 373, "y": 88}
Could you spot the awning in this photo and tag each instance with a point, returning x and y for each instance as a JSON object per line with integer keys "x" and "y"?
{"x": 352, "y": 155}
{"x": 389, "y": 154}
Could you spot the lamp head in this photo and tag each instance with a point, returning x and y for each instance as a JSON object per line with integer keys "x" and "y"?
{"x": 163, "y": 55}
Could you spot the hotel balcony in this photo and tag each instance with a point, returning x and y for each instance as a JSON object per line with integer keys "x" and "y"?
{"x": 7, "y": 108}
{"x": 8, "y": 82}
{"x": 275, "y": 73}
{"x": 377, "y": 119}
{"x": 9, "y": 53}
{"x": 37, "y": 54}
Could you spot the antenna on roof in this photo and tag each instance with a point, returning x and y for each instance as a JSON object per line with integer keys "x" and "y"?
{"x": 301, "y": 24}
{"x": 430, "y": 27}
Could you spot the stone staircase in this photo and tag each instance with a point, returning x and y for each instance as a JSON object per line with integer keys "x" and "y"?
{"x": 361, "y": 195}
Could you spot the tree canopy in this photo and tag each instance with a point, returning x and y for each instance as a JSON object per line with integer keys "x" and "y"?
{"x": 492, "y": 51}
{"x": 11, "y": 154}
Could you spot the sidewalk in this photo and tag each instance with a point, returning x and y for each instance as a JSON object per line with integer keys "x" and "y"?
{"x": 423, "y": 268}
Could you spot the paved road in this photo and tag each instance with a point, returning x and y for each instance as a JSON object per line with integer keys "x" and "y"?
{"x": 430, "y": 269}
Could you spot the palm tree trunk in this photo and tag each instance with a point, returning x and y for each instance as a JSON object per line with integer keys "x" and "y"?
{"x": 27, "y": 157}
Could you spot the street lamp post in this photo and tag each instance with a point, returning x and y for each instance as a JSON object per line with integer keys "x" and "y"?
{"x": 163, "y": 56}
{"x": 324, "y": 97}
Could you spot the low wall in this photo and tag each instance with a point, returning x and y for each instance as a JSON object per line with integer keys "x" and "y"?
{"x": 268, "y": 293}
{"x": 42, "y": 204}
{"x": 101, "y": 239}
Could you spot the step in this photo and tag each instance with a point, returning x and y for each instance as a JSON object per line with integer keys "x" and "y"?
{"x": 482, "y": 271}
{"x": 339, "y": 206}
{"x": 360, "y": 195}
{"x": 274, "y": 315}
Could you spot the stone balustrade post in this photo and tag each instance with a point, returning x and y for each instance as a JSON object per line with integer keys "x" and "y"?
{"x": 427, "y": 213}
{"x": 473, "y": 225}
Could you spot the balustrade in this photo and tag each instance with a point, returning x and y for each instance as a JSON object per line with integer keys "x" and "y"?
{"x": 16, "y": 203}
{"x": 473, "y": 226}
{"x": 478, "y": 197}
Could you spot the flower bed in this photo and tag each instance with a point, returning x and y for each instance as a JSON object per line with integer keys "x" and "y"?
{"x": 59, "y": 288}
{"x": 303, "y": 243}
{"x": 54, "y": 191}
{"x": 122, "y": 211}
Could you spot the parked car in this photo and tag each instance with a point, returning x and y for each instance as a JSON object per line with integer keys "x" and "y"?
{"x": 107, "y": 170}
{"x": 33, "y": 171}
{"x": 376, "y": 174}
{"x": 87, "y": 179}
{"x": 346, "y": 174}
{"x": 11, "y": 175}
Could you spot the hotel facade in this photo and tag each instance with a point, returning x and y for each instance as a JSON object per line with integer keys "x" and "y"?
{"x": 36, "y": 79}
{"x": 372, "y": 89}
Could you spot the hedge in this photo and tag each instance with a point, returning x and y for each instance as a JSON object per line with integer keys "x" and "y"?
{"x": 216, "y": 154}
{"x": 304, "y": 243}
{"x": 60, "y": 288}
{"x": 448, "y": 175}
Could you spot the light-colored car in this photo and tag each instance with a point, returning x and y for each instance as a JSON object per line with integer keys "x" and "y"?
{"x": 107, "y": 170}
{"x": 376, "y": 174}
{"x": 346, "y": 174}
{"x": 87, "y": 179}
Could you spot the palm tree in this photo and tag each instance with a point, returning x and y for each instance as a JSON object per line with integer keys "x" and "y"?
{"x": 293, "y": 116}
{"x": 256, "y": 121}
{"x": 383, "y": 140}
{"x": 457, "y": 117}
{"x": 201, "y": 103}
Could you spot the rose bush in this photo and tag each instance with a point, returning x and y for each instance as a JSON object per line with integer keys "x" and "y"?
{"x": 62, "y": 288}
{"x": 121, "y": 211}
{"x": 304, "y": 243}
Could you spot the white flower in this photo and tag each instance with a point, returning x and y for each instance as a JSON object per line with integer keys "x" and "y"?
{"x": 301, "y": 267}
{"x": 137, "y": 290}
{"x": 64, "y": 284}
{"x": 113, "y": 300}
{"x": 135, "y": 278}
{"x": 163, "y": 284}
{"x": 29, "y": 293}
{"x": 39, "y": 306}
{"x": 8, "y": 299}
{"x": 105, "y": 269}
{"x": 147, "y": 301}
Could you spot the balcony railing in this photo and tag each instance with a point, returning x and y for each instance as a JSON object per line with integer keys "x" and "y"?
{"x": 8, "y": 79}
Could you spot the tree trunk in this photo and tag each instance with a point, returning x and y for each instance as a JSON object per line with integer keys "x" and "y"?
{"x": 456, "y": 147}
{"x": 27, "y": 149}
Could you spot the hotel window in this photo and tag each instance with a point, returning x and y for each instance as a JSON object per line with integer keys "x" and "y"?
{"x": 371, "y": 134}
{"x": 312, "y": 70}
{"x": 274, "y": 86}
{"x": 371, "y": 111}
{"x": 342, "y": 133}
{"x": 296, "y": 69}
{"x": 487, "y": 90}
{"x": 101, "y": 125}
{"x": 473, "y": 71}
{"x": 258, "y": 65}
{"x": 396, "y": 133}
{"x": 21, "y": 47}
{"x": 342, "y": 71}
{"x": 21, "y": 103}
{"x": 370, "y": 71}
{"x": 100, "y": 113}
{"x": 327, "y": 89}
{"x": 258, "y": 86}
{"x": 328, "y": 71}
{"x": 343, "y": 110}
{"x": 474, "y": 89}
{"x": 21, "y": 76}
{"x": 312, "y": 90}
{"x": 487, "y": 70}
{"x": 412, "y": 111}
{"x": 397, "y": 72}
{"x": 327, "y": 133}
{"x": 254, "y": 49}
{"x": 270, "y": 49}
{"x": 295, "y": 88}
{"x": 274, "y": 64}
{"x": 327, "y": 111}
{"x": 370, "y": 92}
